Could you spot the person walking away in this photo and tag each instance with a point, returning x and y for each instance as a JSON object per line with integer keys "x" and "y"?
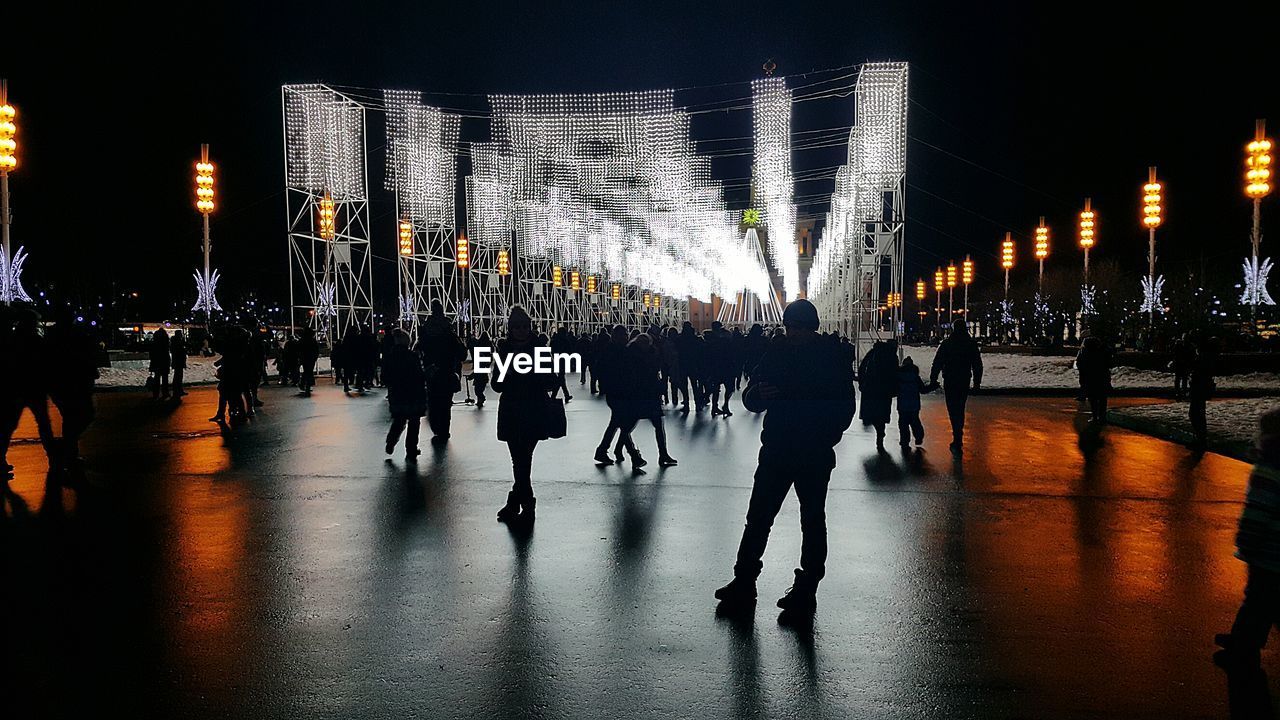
{"x": 1184, "y": 357}
{"x": 406, "y": 394}
{"x": 1201, "y": 387}
{"x": 807, "y": 397}
{"x": 562, "y": 342}
{"x": 256, "y": 361}
{"x": 611, "y": 363}
{"x": 676, "y": 376}
{"x": 338, "y": 363}
{"x": 877, "y": 380}
{"x": 959, "y": 361}
{"x": 26, "y": 355}
{"x": 178, "y": 360}
{"x": 1258, "y": 545}
{"x": 522, "y": 421}
{"x": 691, "y": 346}
{"x": 442, "y": 355}
{"x": 159, "y": 367}
{"x": 910, "y": 387}
{"x": 479, "y": 380}
{"x": 308, "y": 354}
{"x": 644, "y": 367}
{"x": 1093, "y": 362}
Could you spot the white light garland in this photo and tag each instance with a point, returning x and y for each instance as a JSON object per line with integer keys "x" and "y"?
{"x": 422, "y": 147}
{"x": 206, "y": 289}
{"x": 324, "y": 142}
{"x": 1256, "y": 273}
{"x": 771, "y": 175}
{"x": 1088, "y": 294}
{"x": 11, "y": 277}
{"x": 1152, "y": 294}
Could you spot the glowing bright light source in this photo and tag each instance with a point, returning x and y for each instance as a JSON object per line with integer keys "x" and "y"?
{"x": 616, "y": 292}
{"x": 556, "y": 276}
{"x": 771, "y": 176}
{"x": 1006, "y": 252}
{"x": 406, "y": 238}
{"x": 1042, "y": 241}
{"x": 1257, "y": 164}
{"x": 1152, "y": 196}
{"x": 591, "y": 284}
{"x": 421, "y": 158}
{"x": 951, "y": 276}
{"x": 967, "y": 271}
{"x": 327, "y": 212}
{"x": 1086, "y": 225}
{"x": 645, "y": 299}
{"x": 921, "y": 289}
{"x": 462, "y": 255}
{"x": 575, "y": 280}
{"x": 8, "y": 139}
{"x": 939, "y": 280}
{"x": 204, "y": 187}
{"x": 504, "y": 262}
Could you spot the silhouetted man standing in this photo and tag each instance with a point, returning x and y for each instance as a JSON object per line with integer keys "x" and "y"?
{"x": 442, "y": 355}
{"x": 806, "y": 391}
{"x": 959, "y": 361}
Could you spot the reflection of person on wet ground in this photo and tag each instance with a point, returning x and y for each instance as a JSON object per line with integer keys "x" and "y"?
{"x": 1258, "y": 545}
{"x": 878, "y": 380}
{"x": 807, "y": 395}
{"x": 910, "y": 386}
{"x": 406, "y": 394}
{"x": 521, "y": 415}
{"x": 958, "y": 360}
{"x": 1093, "y": 362}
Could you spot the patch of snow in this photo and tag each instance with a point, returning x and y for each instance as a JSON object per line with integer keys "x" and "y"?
{"x": 133, "y": 373}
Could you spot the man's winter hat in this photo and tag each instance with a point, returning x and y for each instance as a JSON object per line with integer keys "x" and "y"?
{"x": 519, "y": 318}
{"x": 801, "y": 314}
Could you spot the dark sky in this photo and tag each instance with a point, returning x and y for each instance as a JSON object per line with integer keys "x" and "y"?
{"x": 1028, "y": 108}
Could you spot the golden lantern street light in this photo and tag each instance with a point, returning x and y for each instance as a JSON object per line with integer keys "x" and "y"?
{"x": 327, "y": 217}
{"x": 1257, "y": 178}
{"x": 8, "y": 163}
{"x": 557, "y": 279}
{"x": 462, "y": 252}
{"x": 1006, "y": 261}
{"x": 575, "y": 280}
{"x": 616, "y": 292}
{"x": 922, "y": 290}
{"x": 504, "y": 262}
{"x": 591, "y": 284}
{"x": 1087, "y": 221}
{"x": 939, "y": 283}
{"x": 1042, "y": 249}
{"x": 406, "y": 238}
{"x": 966, "y": 277}
{"x": 951, "y": 289}
{"x": 207, "y": 283}
{"x": 1152, "y": 217}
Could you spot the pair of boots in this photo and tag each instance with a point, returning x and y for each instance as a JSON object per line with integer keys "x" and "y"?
{"x": 740, "y": 594}
{"x": 517, "y": 509}
{"x": 602, "y": 457}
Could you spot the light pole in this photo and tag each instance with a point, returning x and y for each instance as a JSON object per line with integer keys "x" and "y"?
{"x": 1152, "y": 216}
{"x": 951, "y": 291}
{"x": 10, "y": 263}
{"x": 1257, "y": 178}
{"x": 1042, "y": 250}
{"x": 966, "y": 277}
{"x": 938, "y": 284}
{"x": 1006, "y": 262}
{"x": 1086, "y": 234}
{"x": 206, "y": 283}
{"x": 921, "y": 292}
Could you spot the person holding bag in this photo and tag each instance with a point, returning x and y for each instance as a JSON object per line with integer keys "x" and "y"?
{"x": 523, "y": 414}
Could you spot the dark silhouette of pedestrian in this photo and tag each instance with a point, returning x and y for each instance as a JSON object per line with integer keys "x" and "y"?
{"x": 442, "y": 355}
{"x": 158, "y": 352}
{"x": 522, "y": 420}
{"x": 807, "y": 396}
{"x": 30, "y": 390}
{"x": 480, "y": 380}
{"x": 878, "y": 381}
{"x": 613, "y": 365}
{"x": 178, "y": 359}
{"x": 959, "y": 361}
{"x": 1093, "y": 362}
{"x": 562, "y": 342}
{"x": 910, "y": 387}
{"x": 690, "y": 346}
{"x": 71, "y": 363}
{"x": 1201, "y": 387}
{"x": 677, "y": 379}
{"x": 406, "y": 393}
{"x": 1258, "y": 545}
{"x": 1184, "y": 357}
{"x": 308, "y": 353}
{"x": 644, "y": 395}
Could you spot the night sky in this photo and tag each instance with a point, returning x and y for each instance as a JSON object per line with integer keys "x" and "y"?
{"x": 1017, "y": 111}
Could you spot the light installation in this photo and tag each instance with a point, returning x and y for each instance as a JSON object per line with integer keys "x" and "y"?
{"x": 591, "y": 284}
{"x": 859, "y": 255}
{"x": 206, "y": 282}
{"x": 1257, "y": 178}
{"x": 939, "y": 282}
{"x": 1152, "y": 217}
{"x": 10, "y": 262}
{"x": 406, "y": 238}
{"x": 462, "y": 254}
{"x": 504, "y": 262}
{"x": 951, "y": 289}
{"x": 575, "y": 280}
{"x": 327, "y": 201}
{"x": 421, "y": 172}
{"x": 1006, "y": 263}
{"x": 966, "y": 276}
{"x": 1042, "y": 248}
{"x": 556, "y": 276}
{"x": 771, "y": 176}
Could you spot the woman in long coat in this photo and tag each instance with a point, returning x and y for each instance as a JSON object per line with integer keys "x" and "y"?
{"x": 159, "y": 367}
{"x": 406, "y": 394}
{"x": 878, "y": 380}
{"x": 522, "y": 408}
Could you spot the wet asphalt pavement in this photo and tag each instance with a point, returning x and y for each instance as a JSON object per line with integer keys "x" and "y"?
{"x": 289, "y": 569}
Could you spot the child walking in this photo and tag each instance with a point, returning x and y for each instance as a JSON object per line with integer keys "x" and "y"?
{"x": 910, "y": 386}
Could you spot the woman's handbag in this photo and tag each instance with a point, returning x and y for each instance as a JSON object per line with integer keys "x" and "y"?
{"x": 554, "y": 421}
